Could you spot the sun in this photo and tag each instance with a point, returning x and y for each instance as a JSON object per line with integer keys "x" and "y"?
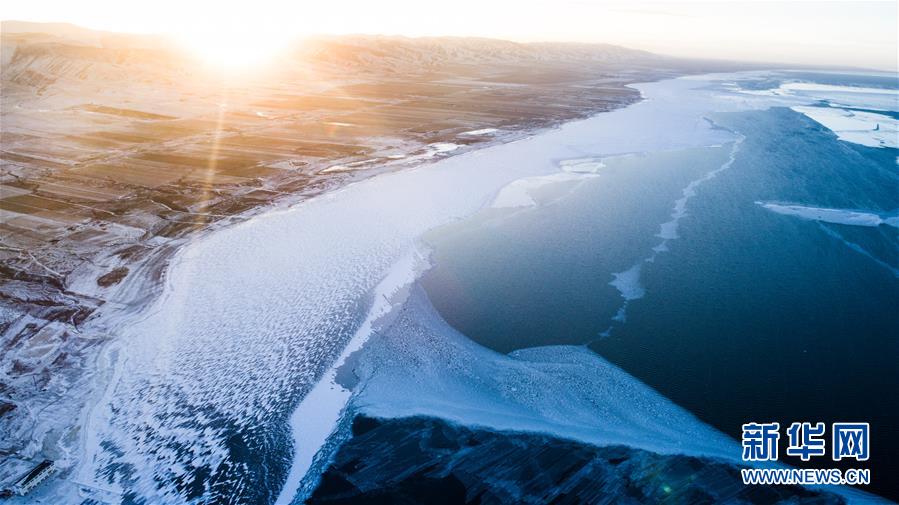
{"x": 233, "y": 36}
{"x": 234, "y": 48}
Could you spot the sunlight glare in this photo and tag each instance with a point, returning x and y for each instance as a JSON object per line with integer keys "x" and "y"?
{"x": 234, "y": 39}
{"x": 229, "y": 49}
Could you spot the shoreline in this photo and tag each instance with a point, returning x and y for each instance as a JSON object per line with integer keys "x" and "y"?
{"x": 328, "y": 397}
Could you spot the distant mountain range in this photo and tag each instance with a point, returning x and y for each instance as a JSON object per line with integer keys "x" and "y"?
{"x": 36, "y": 54}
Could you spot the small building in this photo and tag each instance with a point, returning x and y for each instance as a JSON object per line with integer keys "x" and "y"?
{"x": 34, "y": 477}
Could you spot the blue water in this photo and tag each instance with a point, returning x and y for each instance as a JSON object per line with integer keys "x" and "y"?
{"x": 747, "y": 316}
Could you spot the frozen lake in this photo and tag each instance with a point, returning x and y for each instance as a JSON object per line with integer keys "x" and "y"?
{"x": 212, "y": 381}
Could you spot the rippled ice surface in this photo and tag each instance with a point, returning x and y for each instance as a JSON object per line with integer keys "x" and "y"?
{"x": 206, "y": 379}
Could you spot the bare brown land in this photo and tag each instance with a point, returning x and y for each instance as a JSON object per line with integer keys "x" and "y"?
{"x": 116, "y": 150}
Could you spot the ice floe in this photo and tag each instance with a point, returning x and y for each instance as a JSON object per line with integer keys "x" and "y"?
{"x": 835, "y": 216}
{"x": 582, "y": 165}
{"x": 520, "y": 193}
{"x": 628, "y": 283}
{"x": 860, "y": 127}
{"x": 848, "y": 111}
{"x": 855, "y": 96}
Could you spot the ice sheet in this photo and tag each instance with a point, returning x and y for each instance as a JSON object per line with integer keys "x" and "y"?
{"x": 418, "y": 365}
{"x": 422, "y": 366}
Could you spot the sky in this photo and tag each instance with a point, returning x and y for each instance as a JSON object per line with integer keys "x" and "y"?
{"x": 851, "y": 33}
